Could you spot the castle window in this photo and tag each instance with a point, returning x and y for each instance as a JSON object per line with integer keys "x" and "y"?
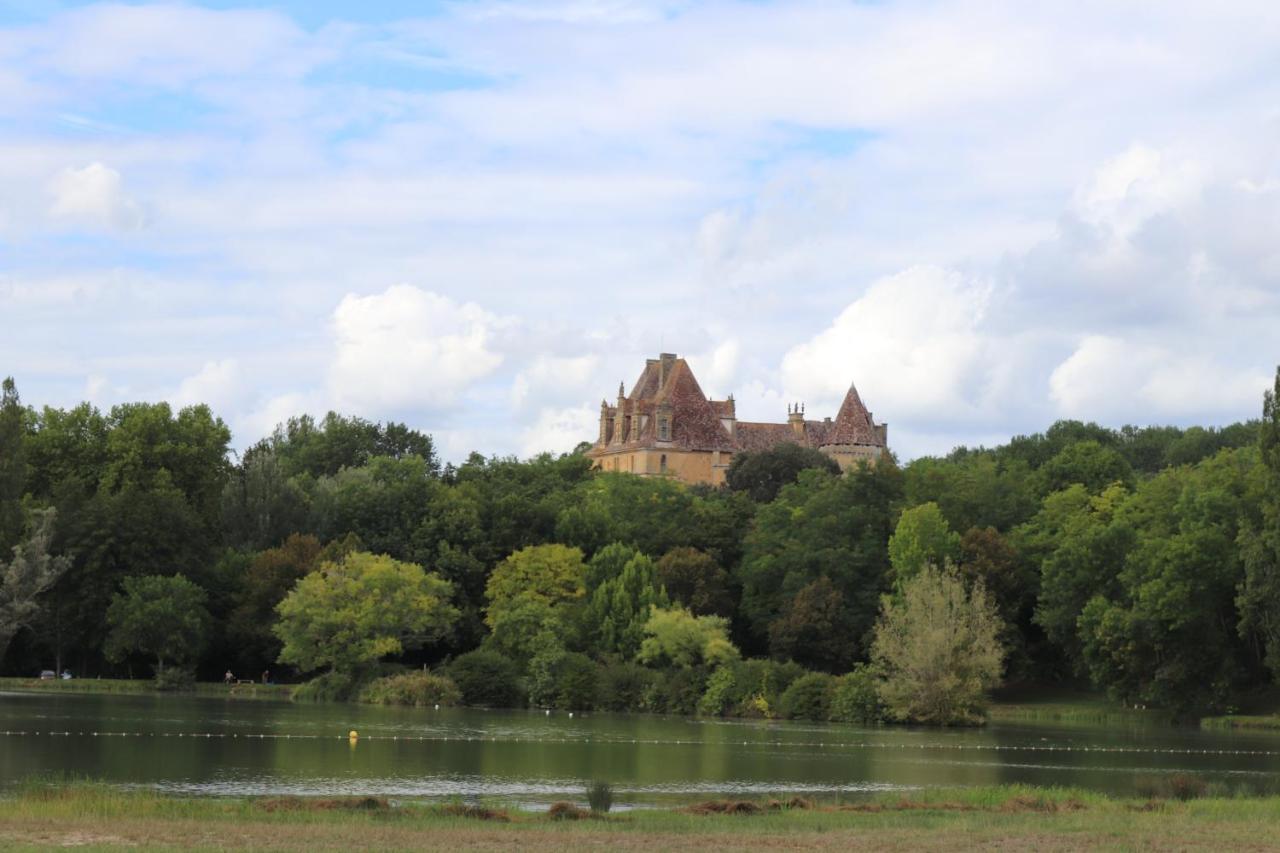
{"x": 664, "y": 429}
{"x": 662, "y": 463}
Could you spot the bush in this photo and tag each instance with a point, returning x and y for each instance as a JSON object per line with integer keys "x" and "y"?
{"x": 487, "y": 679}
{"x": 600, "y": 797}
{"x": 808, "y": 697}
{"x": 677, "y": 691}
{"x": 776, "y": 678}
{"x": 176, "y": 679}
{"x": 719, "y": 693}
{"x": 576, "y": 680}
{"x": 418, "y": 689}
{"x": 856, "y": 698}
{"x": 329, "y": 687}
{"x": 623, "y": 687}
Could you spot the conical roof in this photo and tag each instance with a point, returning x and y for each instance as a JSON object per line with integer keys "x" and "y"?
{"x": 853, "y": 424}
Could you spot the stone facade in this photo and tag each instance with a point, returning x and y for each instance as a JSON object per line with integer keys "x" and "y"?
{"x": 666, "y": 427}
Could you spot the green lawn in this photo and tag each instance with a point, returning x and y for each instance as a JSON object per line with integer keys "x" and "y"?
{"x": 98, "y": 817}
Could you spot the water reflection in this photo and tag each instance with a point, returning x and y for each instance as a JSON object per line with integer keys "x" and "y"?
{"x": 230, "y": 746}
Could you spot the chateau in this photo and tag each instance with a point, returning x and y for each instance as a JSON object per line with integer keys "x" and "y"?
{"x": 668, "y": 427}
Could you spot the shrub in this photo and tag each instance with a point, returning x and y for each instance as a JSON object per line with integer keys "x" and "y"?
{"x": 565, "y": 811}
{"x": 623, "y": 687}
{"x": 600, "y": 797}
{"x": 576, "y": 680}
{"x": 808, "y": 697}
{"x": 855, "y": 698}
{"x": 776, "y": 678}
{"x": 677, "y": 691}
{"x": 329, "y": 687}
{"x": 419, "y": 689}
{"x": 176, "y": 679}
{"x": 720, "y": 688}
{"x": 487, "y": 679}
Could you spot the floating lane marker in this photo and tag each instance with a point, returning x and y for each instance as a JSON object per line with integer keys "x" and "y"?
{"x": 649, "y": 741}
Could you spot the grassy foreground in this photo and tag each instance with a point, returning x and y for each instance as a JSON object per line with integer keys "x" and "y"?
{"x": 98, "y": 817}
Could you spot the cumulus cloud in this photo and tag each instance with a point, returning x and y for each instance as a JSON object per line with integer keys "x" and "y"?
{"x": 549, "y": 377}
{"x": 913, "y": 344}
{"x": 219, "y": 384}
{"x": 94, "y": 196}
{"x": 409, "y": 349}
{"x": 560, "y": 430}
{"x": 1110, "y": 379}
{"x": 971, "y": 210}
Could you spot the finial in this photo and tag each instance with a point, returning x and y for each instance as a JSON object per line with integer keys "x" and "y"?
{"x": 621, "y": 390}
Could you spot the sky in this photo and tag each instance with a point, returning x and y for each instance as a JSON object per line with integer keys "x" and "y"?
{"x": 478, "y": 218}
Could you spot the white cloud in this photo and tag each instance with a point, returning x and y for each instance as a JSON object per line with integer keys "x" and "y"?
{"x": 550, "y": 377}
{"x": 219, "y": 384}
{"x": 95, "y": 196}
{"x": 408, "y": 348}
{"x": 912, "y": 343}
{"x": 1113, "y": 380}
{"x": 560, "y": 430}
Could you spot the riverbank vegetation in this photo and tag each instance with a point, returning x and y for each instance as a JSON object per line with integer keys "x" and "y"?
{"x": 1008, "y": 817}
{"x": 1141, "y": 561}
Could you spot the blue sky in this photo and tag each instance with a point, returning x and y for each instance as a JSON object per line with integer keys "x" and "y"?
{"x": 479, "y": 217}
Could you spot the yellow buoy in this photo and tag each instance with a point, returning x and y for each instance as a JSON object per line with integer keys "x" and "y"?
{"x": 353, "y": 734}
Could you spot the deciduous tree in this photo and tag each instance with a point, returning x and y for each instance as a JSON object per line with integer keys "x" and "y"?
{"x": 937, "y": 645}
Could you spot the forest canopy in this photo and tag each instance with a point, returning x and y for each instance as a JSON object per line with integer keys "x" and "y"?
{"x": 1141, "y": 560}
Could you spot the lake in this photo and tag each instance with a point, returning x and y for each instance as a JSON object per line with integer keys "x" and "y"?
{"x": 215, "y": 746}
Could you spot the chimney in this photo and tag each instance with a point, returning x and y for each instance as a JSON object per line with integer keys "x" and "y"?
{"x": 666, "y": 360}
{"x": 795, "y": 417}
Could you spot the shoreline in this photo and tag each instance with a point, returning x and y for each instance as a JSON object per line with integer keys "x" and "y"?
{"x": 101, "y": 817}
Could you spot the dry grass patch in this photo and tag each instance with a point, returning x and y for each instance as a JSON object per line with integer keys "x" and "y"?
{"x": 323, "y": 804}
{"x": 475, "y": 812}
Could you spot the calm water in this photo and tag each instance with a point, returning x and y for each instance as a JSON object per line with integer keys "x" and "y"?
{"x": 236, "y": 746}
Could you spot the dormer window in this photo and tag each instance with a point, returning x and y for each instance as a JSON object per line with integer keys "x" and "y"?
{"x": 664, "y": 429}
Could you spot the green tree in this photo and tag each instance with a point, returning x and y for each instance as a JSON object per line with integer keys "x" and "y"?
{"x": 808, "y": 697}
{"x": 938, "y": 649}
{"x": 322, "y": 449}
{"x": 1088, "y": 463}
{"x": 1258, "y": 599}
{"x": 26, "y": 577}
{"x": 531, "y": 592}
{"x": 762, "y": 474}
{"x": 607, "y": 563}
{"x": 616, "y": 613}
{"x": 695, "y": 580}
{"x": 974, "y": 489}
{"x": 822, "y": 526}
{"x": 267, "y": 579}
{"x": 922, "y": 536}
{"x": 487, "y": 679}
{"x": 813, "y": 629}
{"x": 161, "y": 617}
{"x": 677, "y": 638}
{"x": 13, "y": 465}
{"x": 1164, "y": 632}
{"x": 347, "y": 616}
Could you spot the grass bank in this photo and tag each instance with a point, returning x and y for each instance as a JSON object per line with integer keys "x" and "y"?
{"x": 145, "y": 686}
{"x": 1242, "y": 721}
{"x": 1065, "y": 705}
{"x": 98, "y": 817}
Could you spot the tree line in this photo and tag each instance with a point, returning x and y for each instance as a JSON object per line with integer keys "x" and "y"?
{"x": 1145, "y": 561}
